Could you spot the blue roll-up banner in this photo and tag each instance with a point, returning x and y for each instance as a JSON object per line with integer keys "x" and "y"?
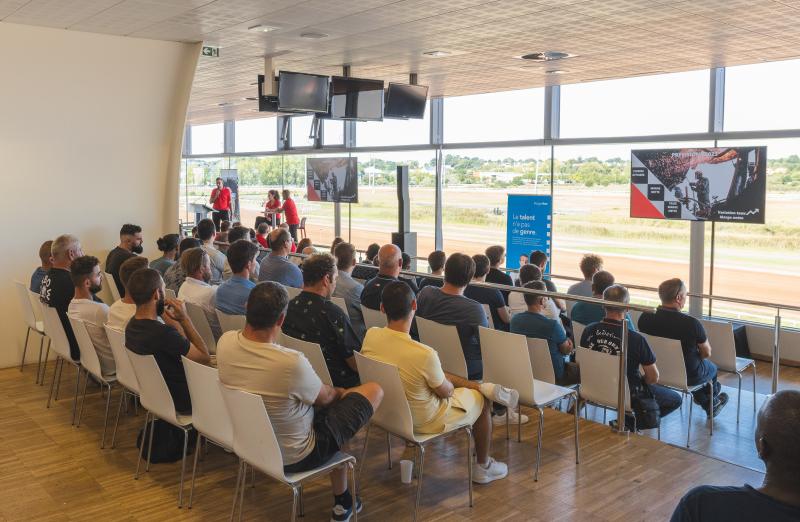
{"x": 529, "y": 227}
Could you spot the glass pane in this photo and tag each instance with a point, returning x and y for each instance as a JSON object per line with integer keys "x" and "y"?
{"x": 762, "y": 96}
{"x": 256, "y": 135}
{"x": 497, "y": 116}
{"x": 208, "y": 139}
{"x": 257, "y": 176}
{"x": 332, "y": 132}
{"x": 301, "y": 128}
{"x": 649, "y": 105}
{"x": 200, "y": 176}
{"x": 394, "y": 132}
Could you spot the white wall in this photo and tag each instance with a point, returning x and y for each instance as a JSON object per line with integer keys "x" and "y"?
{"x": 90, "y": 138}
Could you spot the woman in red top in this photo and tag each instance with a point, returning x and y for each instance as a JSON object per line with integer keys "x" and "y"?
{"x": 292, "y": 217}
{"x": 273, "y": 202}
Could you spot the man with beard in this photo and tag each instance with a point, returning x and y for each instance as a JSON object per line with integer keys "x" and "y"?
{"x": 166, "y": 341}
{"x": 196, "y": 289}
{"x": 85, "y": 305}
{"x": 130, "y": 244}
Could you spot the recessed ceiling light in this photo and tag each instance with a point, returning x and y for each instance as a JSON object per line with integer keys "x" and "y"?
{"x": 260, "y": 28}
{"x": 313, "y": 36}
{"x": 557, "y": 71}
{"x": 250, "y": 98}
{"x": 436, "y": 54}
{"x": 224, "y": 104}
{"x": 546, "y": 56}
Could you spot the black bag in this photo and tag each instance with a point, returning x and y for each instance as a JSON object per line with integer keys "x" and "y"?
{"x": 167, "y": 442}
{"x": 645, "y": 408}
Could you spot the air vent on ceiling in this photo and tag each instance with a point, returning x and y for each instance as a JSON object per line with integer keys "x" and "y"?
{"x": 546, "y": 56}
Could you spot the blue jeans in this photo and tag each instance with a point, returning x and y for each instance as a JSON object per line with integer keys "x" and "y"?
{"x": 708, "y": 372}
{"x": 668, "y": 400}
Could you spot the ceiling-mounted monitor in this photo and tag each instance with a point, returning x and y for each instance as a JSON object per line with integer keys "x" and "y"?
{"x": 405, "y": 101}
{"x": 301, "y": 92}
{"x": 356, "y": 99}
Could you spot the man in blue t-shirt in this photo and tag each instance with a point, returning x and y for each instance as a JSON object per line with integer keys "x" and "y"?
{"x": 533, "y": 323}
{"x": 232, "y": 294}
{"x": 778, "y": 498}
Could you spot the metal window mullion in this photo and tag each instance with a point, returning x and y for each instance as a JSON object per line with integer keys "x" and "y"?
{"x": 437, "y": 138}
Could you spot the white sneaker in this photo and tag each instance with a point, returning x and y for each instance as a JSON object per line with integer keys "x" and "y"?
{"x": 514, "y": 418}
{"x": 494, "y": 470}
{"x": 500, "y": 394}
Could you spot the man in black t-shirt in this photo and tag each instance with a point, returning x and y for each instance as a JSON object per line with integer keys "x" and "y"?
{"x": 130, "y": 244}
{"x": 57, "y": 288}
{"x": 497, "y": 255}
{"x": 390, "y": 262}
{"x": 436, "y": 261}
{"x": 488, "y": 296}
{"x": 313, "y": 317}
{"x": 778, "y": 498}
{"x": 167, "y": 341}
{"x": 668, "y": 321}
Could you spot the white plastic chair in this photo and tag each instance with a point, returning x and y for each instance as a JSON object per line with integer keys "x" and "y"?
{"x": 34, "y": 325}
{"x": 112, "y": 286}
{"x": 200, "y": 321}
{"x": 723, "y": 354}
{"x": 292, "y": 291}
{"x": 506, "y": 361}
{"x": 313, "y": 353}
{"x": 38, "y": 312}
{"x": 341, "y": 303}
{"x": 210, "y": 415}
{"x": 577, "y": 331}
{"x": 373, "y": 318}
{"x": 126, "y": 377}
{"x": 488, "y": 312}
{"x": 672, "y": 374}
{"x": 394, "y": 417}
{"x": 444, "y": 339}
{"x": 58, "y": 337}
{"x": 156, "y": 399}
{"x": 90, "y": 364}
{"x": 255, "y": 443}
{"x": 228, "y": 322}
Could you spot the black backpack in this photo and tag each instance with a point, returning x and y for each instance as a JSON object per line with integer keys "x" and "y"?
{"x": 167, "y": 442}
{"x": 645, "y": 408}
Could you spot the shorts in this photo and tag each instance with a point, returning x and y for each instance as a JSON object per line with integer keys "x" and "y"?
{"x": 466, "y": 405}
{"x": 333, "y": 426}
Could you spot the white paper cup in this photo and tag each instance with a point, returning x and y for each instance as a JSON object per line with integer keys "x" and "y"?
{"x": 406, "y": 470}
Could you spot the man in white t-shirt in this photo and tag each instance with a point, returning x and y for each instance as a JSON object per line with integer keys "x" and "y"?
{"x": 196, "y": 289}
{"x": 311, "y": 420}
{"x": 86, "y": 276}
{"x": 121, "y": 310}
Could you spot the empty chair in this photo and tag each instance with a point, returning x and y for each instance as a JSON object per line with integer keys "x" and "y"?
{"x": 36, "y": 303}
{"x": 228, "y": 322}
{"x": 313, "y": 353}
{"x": 506, "y": 361}
{"x": 444, "y": 339}
{"x": 255, "y": 444}
{"x": 723, "y": 354}
{"x": 90, "y": 363}
{"x": 672, "y": 374}
{"x": 209, "y": 413}
{"x": 126, "y": 377}
{"x": 156, "y": 399}
{"x": 58, "y": 337}
{"x": 200, "y": 321}
{"x": 577, "y": 331}
{"x": 112, "y": 286}
{"x": 341, "y": 303}
{"x": 394, "y": 416}
{"x": 372, "y": 317}
{"x": 33, "y": 325}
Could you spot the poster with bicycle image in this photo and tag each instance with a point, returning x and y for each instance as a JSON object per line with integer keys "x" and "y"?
{"x": 725, "y": 184}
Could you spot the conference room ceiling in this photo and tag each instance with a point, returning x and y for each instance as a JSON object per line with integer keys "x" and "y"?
{"x": 386, "y": 39}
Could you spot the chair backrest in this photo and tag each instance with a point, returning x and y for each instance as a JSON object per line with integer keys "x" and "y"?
{"x": 55, "y": 331}
{"x": 516, "y": 303}
{"x": 488, "y": 312}
{"x": 228, "y": 322}
{"x": 374, "y": 318}
{"x": 170, "y": 293}
{"x": 302, "y": 223}
{"x": 393, "y": 414}
{"x": 577, "y": 331}
{"x": 25, "y": 304}
{"x": 112, "y": 286}
{"x": 254, "y": 439}
{"x": 209, "y": 413}
{"x": 125, "y": 374}
{"x": 200, "y": 321}
{"x": 36, "y": 303}
{"x": 292, "y": 291}
{"x": 570, "y": 304}
{"x": 444, "y": 339}
{"x": 153, "y": 391}
{"x": 313, "y": 353}
{"x": 341, "y": 303}
{"x": 89, "y": 359}
{"x": 635, "y": 315}
{"x": 723, "y": 345}
{"x": 600, "y": 378}
{"x": 541, "y": 362}
{"x": 671, "y": 366}
{"x": 506, "y": 361}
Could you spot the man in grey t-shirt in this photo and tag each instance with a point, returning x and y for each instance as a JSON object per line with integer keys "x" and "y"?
{"x": 276, "y": 266}
{"x": 590, "y": 264}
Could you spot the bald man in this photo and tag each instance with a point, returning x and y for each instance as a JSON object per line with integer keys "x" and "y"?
{"x": 778, "y": 498}
{"x": 390, "y": 262}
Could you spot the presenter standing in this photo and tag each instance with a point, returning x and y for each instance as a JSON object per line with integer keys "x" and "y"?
{"x": 221, "y": 203}
{"x": 273, "y": 202}
{"x": 290, "y": 209}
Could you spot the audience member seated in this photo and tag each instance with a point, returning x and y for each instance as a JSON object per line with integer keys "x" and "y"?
{"x": 406, "y": 266}
{"x": 778, "y": 498}
{"x": 167, "y": 340}
{"x": 303, "y": 244}
{"x": 606, "y": 336}
{"x": 488, "y": 296}
{"x": 196, "y": 289}
{"x": 57, "y": 289}
{"x": 533, "y": 323}
{"x": 206, "y": 233}
{"x": 88, "y": 280}
{"x": 276, "y": 266}
{"x": 175, "y": 276}
{"x": 46, "y": 259}
{"x": 516, "y": 301}
{"x": 293, "y": 244}
{"x": 232, "y": 293}
{"x": 496, "y": 255}
{"x": 539, "y": 259}
{"x": 235, "y": 234}
{"x": 668, "y": 321}
{"x": 261, "y": 234}
{"x": 390, "y": 262}
{"x": 590, "y": 264}
{"x": 348, "y": 288}
{"x": 121, "y": 310}
{"x": 366, "y": 269}
{"x": 168, "y": 245}
{"x": 314, "y": 318}
{"x": 336, "y": 241}
{"x": 588, "y": 313}
{"x": 437, "y": 399}
{"x": 130, "y": 244}
{"x": 311, "y": 420}
{"x": 222, "y": 235}
{"x": 436, "y": 261}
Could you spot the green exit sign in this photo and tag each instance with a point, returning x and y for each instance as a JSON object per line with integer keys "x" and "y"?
{"x": 209, "y": 50}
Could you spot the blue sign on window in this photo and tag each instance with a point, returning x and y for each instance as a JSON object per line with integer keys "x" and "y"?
{"x": 529, "y": 227}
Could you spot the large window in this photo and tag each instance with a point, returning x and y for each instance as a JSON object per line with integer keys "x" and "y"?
{"x": 301, "y": 131}
{"x": 256, "y": 135}
{"x": 394, "y": 132}
{"x": 208, "y": 139}
{"x": 762, "y": 96}
{"x": 332, "y": 132}
{"x": 499, "y": 116}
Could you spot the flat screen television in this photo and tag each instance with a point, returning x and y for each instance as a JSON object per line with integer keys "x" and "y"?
{"x": 405, "y": 101}
{"x": 300, "y": 92}
{"x": 356, "y": 99}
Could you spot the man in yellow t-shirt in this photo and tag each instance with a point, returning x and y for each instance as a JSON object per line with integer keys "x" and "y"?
{"x": 438, "y": 400}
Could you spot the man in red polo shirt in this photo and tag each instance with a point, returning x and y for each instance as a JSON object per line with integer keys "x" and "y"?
{"x": 221, "y": 203}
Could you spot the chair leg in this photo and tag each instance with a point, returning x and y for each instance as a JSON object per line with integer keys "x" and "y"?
{"x": 421, "y": 450}
{"x": 739, "y": 397}
{"x": 519, "y": 423}
{"x": 577, "y": 445}
{"x": 539, "y": 445}
{"x": 53, "y": 383}
{"x": 105, "y": 419}
{"x": 689, "y": 422}
{"x": 77, "y": 385}
{"x": 711, "y": 408}
{"x": 60, "y": 373}
{"x": 194, "y": 468}
{"x": 183, "y": 466}
{"x": 141, "y": 446}
{"x": 39, "y": 364}
{"x": 469, "y": 462}
{"x": 236, "y": 491}
{"x": 754, "y": 387}
{"x": 389, "y": 449}
{"x": 83, "y": 399}
{"x": 295, "y": 496}
{"x": 150, "y": 441}
{"x": 364, "y": 452}
{"x": 122, "y": 396}
{"x": 44, "y": 363}
{"x": 25, "y": 349}
{"x": 604, "y": 415}
{"x": 353, "y": 487}
{"x": 508, "y": 433}
{"x": 242, "y": 488}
